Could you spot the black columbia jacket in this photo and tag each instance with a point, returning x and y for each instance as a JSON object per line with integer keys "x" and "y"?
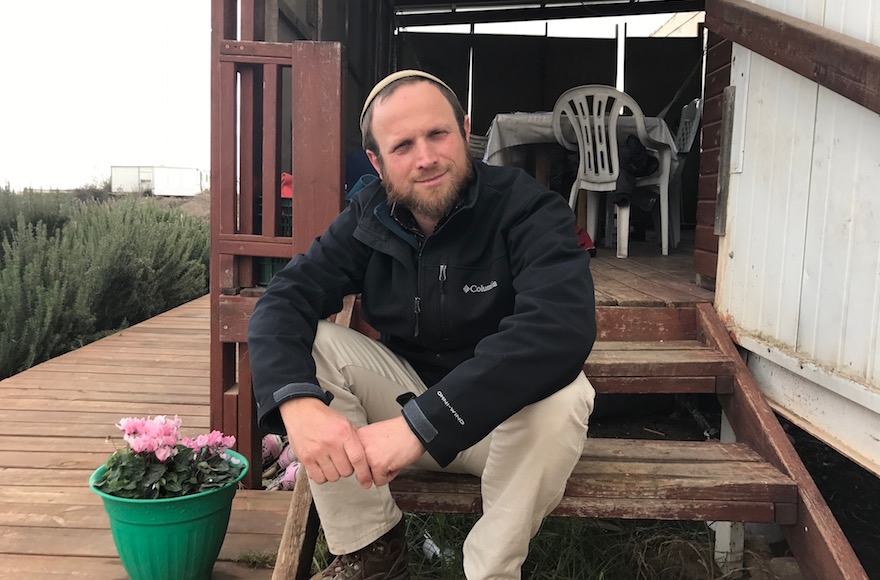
{"x": 495, "y": 310}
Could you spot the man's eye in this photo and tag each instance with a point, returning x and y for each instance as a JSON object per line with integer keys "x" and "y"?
{"x": 401, "y": 147}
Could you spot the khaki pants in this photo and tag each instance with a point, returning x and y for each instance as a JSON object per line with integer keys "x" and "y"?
{"x": 523, "y": 463}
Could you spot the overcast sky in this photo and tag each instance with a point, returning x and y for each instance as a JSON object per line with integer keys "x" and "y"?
{"x": 93, "y": 83}
{"x": 88, "y": 84}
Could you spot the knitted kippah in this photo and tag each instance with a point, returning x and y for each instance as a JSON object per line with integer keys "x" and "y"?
{"x": 401, "y": 74}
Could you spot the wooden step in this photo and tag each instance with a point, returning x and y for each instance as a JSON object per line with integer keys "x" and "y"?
{"x": 674, "y": 366}
{"x": 638, "y": 479}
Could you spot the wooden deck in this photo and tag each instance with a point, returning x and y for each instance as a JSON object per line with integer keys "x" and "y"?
{"x": 58, "y": 425}
{"x": 647, "y": 278}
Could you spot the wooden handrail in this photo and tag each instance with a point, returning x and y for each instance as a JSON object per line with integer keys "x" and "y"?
{"x": 838, "y": 62}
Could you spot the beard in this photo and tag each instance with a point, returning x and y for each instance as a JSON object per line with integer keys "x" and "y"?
{"x": 433, "y": 202}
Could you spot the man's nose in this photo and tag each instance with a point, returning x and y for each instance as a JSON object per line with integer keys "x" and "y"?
{"x": 426, "y": 154}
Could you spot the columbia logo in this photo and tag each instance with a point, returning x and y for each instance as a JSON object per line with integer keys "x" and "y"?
{"x": 480, "y": 287}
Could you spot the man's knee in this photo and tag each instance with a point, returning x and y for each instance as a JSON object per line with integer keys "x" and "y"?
{"x": 566, "y": 410}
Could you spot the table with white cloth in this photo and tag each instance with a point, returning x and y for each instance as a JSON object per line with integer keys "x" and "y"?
{"x": 512, "y": 135}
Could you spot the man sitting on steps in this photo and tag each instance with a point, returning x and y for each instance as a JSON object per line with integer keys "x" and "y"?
{"x": 474, "y": 278}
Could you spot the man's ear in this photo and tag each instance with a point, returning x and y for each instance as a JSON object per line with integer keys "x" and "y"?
{"x": 467, "y": 128}
{"x": 374, "y": 161}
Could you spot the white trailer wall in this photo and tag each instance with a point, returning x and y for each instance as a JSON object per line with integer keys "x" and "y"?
{"x": 799, "y": 267}
{"x": 157, "y": 180}
{"x": 176, "y": 181}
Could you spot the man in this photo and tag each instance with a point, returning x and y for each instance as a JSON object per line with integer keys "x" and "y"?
{"x": 473, "y": 277}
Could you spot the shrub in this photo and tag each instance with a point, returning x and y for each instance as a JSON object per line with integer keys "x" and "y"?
{"x": 144, "y": 261}
{"x": 99, "y": 267}
{"x": 45, "y": 307}
{"x": 53, "y": 209}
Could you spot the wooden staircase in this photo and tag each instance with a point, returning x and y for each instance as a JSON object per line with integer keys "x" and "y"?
{"x": 758, "y": 478}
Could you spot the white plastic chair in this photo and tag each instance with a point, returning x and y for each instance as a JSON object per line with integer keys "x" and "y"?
{"x": 688, "y": 127}
{"x": 478, "y": 145}
{"x": 593, "y": 112}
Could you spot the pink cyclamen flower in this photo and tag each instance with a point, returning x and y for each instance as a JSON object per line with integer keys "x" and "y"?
{"x": 158, "y": 435}
{"x": 215, "y": 442}
{"x": 165, "y": 453}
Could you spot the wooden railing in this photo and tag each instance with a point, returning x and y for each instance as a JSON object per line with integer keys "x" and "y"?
{"x": 843, "y": 64}
{"x": 247, "y": 98}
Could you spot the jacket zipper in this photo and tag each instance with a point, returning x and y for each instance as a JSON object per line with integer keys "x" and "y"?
{"x": 443, "y": 299}
{"x": 417, "y": 308}
{"x": 417, "y": 300}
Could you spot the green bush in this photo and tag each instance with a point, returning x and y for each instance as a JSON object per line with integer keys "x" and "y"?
{"x": 97, "y": 268}
{"x": 53, "y": 209}
{"x": 45, "y": 307}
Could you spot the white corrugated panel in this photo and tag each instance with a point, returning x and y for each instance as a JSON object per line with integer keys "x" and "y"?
{"x": 840, "y": 306}
{"x": 762, "y": 254}
{"x": 799, "y": 267}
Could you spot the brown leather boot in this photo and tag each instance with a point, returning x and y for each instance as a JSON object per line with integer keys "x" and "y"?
{"x": 384, "y": 559}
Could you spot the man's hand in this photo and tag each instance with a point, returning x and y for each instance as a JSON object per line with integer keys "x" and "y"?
{"x": 325, "y": 442}
{"x": 390, "y": 446}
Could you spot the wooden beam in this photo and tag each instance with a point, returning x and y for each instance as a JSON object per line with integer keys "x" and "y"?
{"x": 318, "y": 126}
{"x": 254, "y": 52}
{"x": 638, "y": 323}
{"x": 817, "y": 541}
{"x": 300, "y": 533}
{"x": 843, "y": 64}
{"x": 251, "y": 245}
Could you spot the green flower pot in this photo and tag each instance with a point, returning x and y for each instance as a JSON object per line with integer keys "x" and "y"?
{"x": 176, "y": 538}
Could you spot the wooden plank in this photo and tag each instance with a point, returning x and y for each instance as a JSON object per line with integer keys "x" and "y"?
{"x": 244, "y": 500}
{"x": 846, "y": 65}
{"x": 632, "y": 494}
{"x": 248, "y": 434}
{"x": 706, "y": 263}
{"x": 666, "y": 295}
{"x": 705, "y": 239}
{"x": 116, "y": 382}
{"x": 83, "y": 418}
{"x": 717, "y": 57}
{"x": 631, "y": 323}
{"x": 55, "y": 444}
{"x": 23, "y": 388}
{"x": 299, "y": 536}
{"x": 318, "y": 126}
{"x": 694, "y": 510}
{"x": 705, "y": 217}
{"x": 35, "y": 540}
{"x": 636, "y": 345}
{"x": 117, "y": 370}
{"x": 646, "y": 449}
{"x": 654, "y": 385}
{"x": 17, "y": 566}
{"x": 249, "y": 245}
{"x": 29, "y": 428}
{"x": 649, "y": 363}
{"x": 603, "y": 299}
{"x": 817, "y": 540}
{"x": 716, "y": 80}
{"x": 623, "y": 294}
{"x": 233, "y": 313}
{"x": 94, "y": 517}
{"x": 132, "y": 409}
{"x": 666, "y": 275}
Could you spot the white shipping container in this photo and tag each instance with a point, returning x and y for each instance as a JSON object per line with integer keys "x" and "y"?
{"x": 158, "y": 180}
